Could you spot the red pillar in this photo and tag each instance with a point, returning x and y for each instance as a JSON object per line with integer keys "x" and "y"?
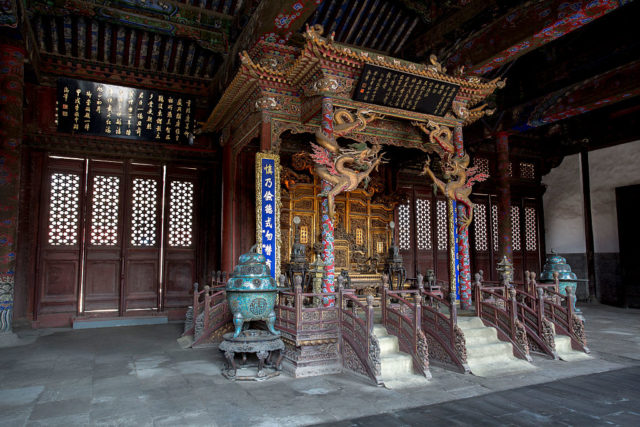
{"x": 504, "y": 197}
{"x": 464, "y": 263}
{"x": 228, "y": 177}
{"x": 327, "y": 224}
{"x": 11, "y": 94}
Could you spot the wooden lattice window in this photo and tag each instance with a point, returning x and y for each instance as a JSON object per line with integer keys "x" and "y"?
{"x": 423, "y": 219}
{"x": 144, "y": 215}
{"x": 64, "y": 211}
{"x": 515, "y": 228}
{"x": 379, "y": 246}
{"x": 531, "y": 235}
{"x": 181, "y": 213}
{"x": 404, "y": 227}
{"x": 304, "y": 234}
{"x": 482, "y": 165}
{"x": 359, "y": 236}
{"x": 480, "y": 227}
{"x": 527, "y": 170}
{"x": 104, "y": 210}
{"x": 494, "y": 226}
{"x": 441, "y": 224}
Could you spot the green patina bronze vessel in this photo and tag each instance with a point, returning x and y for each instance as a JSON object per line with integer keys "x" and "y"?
{"x": 251, "y": 292}
{"x": 566, "y": 277}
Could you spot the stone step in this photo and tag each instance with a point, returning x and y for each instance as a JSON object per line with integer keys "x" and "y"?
{"x": 388, "y": 344}
{"x": 490, "y": 349}
{"x": 566, "y": 352}
{"x": 379, "y": 330}
{"x": 487, "y": 356}
{"x": 396, "y": 365}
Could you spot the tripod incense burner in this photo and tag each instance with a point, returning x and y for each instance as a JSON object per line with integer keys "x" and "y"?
{"x": 251, "y": 292}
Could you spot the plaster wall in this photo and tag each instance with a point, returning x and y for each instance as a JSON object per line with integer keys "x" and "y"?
{"x": 563, "y": 207}
{"x": 609, "y": 168}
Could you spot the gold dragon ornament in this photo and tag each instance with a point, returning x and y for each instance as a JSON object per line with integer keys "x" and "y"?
{"x": 458, "y": 176}
{"x": 344, "y": 168}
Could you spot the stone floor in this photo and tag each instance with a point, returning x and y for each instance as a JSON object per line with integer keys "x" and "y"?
{"x": 140, "y": 376}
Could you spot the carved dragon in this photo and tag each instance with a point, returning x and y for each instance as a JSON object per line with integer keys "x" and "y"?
{"x": 456, "y": 172}
{"x": 343, "y": 168}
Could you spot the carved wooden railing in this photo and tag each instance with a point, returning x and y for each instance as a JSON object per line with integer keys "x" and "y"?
{"x": 497, "y": 306}
{"x": 558, "y": 309}
{"x": 209, "y": 316}
{"x": 402, "y": 318}
{"x": 439, "y": 322}
{"x": 530, "y": 310}
{"x": 299, "y": 323}
{"x": 360, "y": 347}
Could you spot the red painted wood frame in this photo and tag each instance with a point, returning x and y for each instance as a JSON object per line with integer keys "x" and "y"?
{"x": 130, "y": 244}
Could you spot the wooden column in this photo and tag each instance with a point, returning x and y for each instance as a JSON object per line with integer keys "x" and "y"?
{"x": 328, "y": 256}
{"x": 11, "y": 88}
{"x": 265, "y": 135}
{"x": 504, "y": 197}
{"x": 588, "y": 225}
{"x": 228, "y": 177}
{"x": 464, "y": 263}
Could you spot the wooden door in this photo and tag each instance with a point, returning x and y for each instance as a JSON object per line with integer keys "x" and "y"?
{"x": 629, "y": 235}
{"x": 480, "y": 237}
{"x": 103, "y": 237}
{"x": 423, "y": 233}
{"x": 180, "y": 236}
{"x": 141, "y": 287}
{"x": 59, "y": 260}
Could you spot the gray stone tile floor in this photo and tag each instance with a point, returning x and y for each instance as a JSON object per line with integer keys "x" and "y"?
{"x": 140, "y": 376}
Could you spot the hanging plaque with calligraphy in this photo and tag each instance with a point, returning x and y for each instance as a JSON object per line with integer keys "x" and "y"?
{"x": 391, "y": 88}
{"x": 92, "y": 108}
{"x": 268, "y": 209}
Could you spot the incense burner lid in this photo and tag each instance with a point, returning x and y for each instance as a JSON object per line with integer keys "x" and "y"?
{"x": 251, "y": 274}
{"x": 556, "y": 263}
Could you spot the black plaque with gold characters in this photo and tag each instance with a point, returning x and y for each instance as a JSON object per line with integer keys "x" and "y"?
{"x": 391, "y": 88}
{"x": 92, "y": 108}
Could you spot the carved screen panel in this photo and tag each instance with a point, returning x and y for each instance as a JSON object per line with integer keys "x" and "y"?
{"x": 105, "y": 210}
{"x": 404, "y": 227}
{"x": 531, "y": 235}
{"x": 480, "y": 227}
{"x": 144, "y": 212}
{"x": 181, "y": 213}
{"x": 482, "y": 165}
{"x": 527, "y": 170}
{"x": 64, "y": 209}
{"x": 441, "y": 224}
{"x": 423, "y": 223}
{"x": 494, "y": 227}
{"x": 515, "y": 228}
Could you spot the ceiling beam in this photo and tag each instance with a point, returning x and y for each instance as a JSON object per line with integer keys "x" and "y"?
{"x": 210, "y": 29}
{"x": 524, "y": 29}
{"x": 427, "y": 42}
{"x": 618, "y": 84}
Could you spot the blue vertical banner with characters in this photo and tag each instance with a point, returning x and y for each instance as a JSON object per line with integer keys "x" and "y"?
{"x": 268, "y": 209}
{"x": 457, "y": 262}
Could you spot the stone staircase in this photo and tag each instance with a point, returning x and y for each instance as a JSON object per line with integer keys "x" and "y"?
{"x": 487, "y": 356}
{"x": 396, "y": 366}
{"x": 564, "y": 350}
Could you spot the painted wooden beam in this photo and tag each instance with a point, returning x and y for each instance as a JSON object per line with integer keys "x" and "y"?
{"x": 526, "y": 28}
{"x": 209, "y": 28}
{"x": 610, "y": 87}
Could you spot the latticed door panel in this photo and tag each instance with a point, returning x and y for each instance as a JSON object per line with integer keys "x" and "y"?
{"x": 531, "y": 239}
{"x": 481, "y": 237}
{"x": 61, "y": 218}
{"x": 142, "y": 247}
{"x": 422, "y": 233}
{"x": 179, "y": 270}
{"x": 103, "y": 235}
